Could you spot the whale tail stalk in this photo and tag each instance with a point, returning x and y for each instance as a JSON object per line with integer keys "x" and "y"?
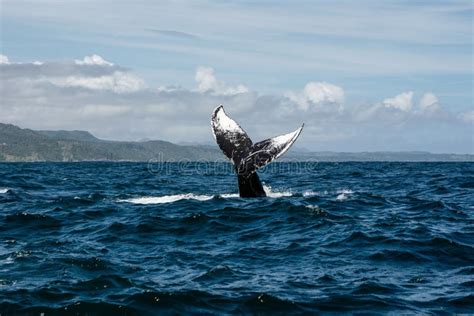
{"x": 246, "y": 156}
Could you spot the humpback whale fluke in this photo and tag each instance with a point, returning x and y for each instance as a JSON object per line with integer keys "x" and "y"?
{"x": 246, "y": 156}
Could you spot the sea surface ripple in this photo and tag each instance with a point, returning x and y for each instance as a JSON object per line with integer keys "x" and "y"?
{"x": 123, "y": 238}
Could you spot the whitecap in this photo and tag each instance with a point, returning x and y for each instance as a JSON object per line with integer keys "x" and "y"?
{"x": 4, "y": 190}
{"x": 315, "y": 209}
{"x": 274, "y": 194}
{"x": 167, "y": 198}
{"x": 229, "y": 195}
{"x": 341, "y": 197}
{"x": 343, "y": 194}
{"x": 192, "y": 196}
{"x": 345, "y": 191}
{"x": 8, "y": 260}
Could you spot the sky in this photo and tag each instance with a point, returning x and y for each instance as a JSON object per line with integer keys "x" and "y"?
{"x": 361, "y": 75}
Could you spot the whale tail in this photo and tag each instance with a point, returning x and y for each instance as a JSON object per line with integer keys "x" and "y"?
{"x": 246, "y": 156}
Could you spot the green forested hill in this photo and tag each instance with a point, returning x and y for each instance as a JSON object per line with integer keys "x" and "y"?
{"x": 18, "y": 144}
{"x": 69, "y": 135}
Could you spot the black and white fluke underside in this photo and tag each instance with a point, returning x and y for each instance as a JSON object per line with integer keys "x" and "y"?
{"x": 246, "y": 156}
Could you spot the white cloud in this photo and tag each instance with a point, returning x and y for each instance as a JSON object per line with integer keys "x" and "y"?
{"x": 402, "y": 102}
{"x": 205, "y": 79}
{"x": 429, "y": 102}
{"x": 103, "y": 110}
{"x": 113, "y": 103}
{"x": 467, "y": 117}
{"x": 168, "y": 88}
{"x": 93, "y": 60}
{"x": 118, "y": 81}
{"x": 93, "y": 72}
{"x": 207, "y": 82}
{"x": 4, "y": 60}
{"x": 401, "y": 108}
{"x": 317, "y": 93}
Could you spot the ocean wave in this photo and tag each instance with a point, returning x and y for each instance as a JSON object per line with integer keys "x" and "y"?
{"x": 275, "y": 194}
{"x": 4, "y": 190}
{"x": 395, "y": 245}
{"x": 229, "y": 195}
{"x": 343, "y": 194}
{"x": 86, "y": 263}
{"x": 316, "y": 210}
{"x": 199, "y": 197}
{"x": 397, "y": 256}
{"x": 368, "y": 296}
{"x": 23, "y": 219}
{"x": 167, "y": 198}
{"x": 310, "y": 193}
{"x": 216, "y": 273}
{"x": 271, "y": 193}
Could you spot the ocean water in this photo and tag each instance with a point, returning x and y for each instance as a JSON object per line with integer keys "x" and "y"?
{"x": 153, "y": 239}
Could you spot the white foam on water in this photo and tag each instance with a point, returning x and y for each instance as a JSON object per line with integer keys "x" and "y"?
{"x": 315, "y": 209}
{"x": 167, "y": 198}
{"x": 343, "y": 194}
{"x": 4, "y": 190}
{"x": 341, "y": 197}
{"x": 345, "y": 191}
{"x": 310, "y": 193}
{"x": 272, "y": 194}
{"x": 191, "y": 196}
{"x": 8, "y": 260}
{"x": 229, "y": 195}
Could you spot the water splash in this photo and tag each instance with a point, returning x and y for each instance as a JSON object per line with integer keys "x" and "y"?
{"x": 276, "y": 194}
{"x": 167, "y": 198}
{"x": 343, "y": 194}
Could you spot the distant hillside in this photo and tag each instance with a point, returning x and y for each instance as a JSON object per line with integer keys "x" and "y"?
{"x": 17, "y": 144}
{"x": 70, "y": 135}
{"x": 378, "y": 156}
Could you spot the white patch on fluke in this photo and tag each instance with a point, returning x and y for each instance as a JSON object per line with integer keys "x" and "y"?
{"x": 225, "y": 123}
{"x": 286, "y": 140}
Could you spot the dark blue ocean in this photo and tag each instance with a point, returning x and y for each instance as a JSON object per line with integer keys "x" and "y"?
{"x": 156, "y": 239}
